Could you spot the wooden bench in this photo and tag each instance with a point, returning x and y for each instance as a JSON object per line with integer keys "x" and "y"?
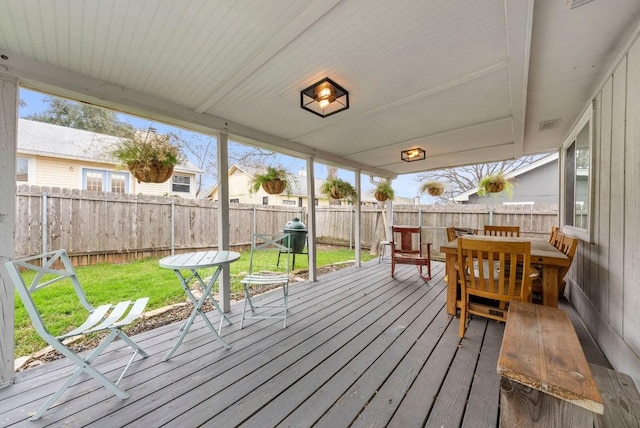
{"x": 545, "y": 378}
{"x": 621, "y": 399}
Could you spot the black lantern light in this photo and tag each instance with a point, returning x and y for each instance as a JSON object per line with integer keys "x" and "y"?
{"x": 324, "y": 98}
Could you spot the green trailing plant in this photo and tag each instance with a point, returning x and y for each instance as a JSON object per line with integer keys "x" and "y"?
{"x": 274, "y": 180}
{"x": 494, "y": 183}
{"x": 433, "y": 187}
{"x": 148, "y": 147}
{"x": 384, "y": 191}
{"x": 337, "y": 188}
{"x": 149, "y": 156}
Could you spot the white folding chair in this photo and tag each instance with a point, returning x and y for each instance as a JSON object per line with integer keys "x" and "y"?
{"x": 265, "y": 273}
{"x": 54, "y": 267}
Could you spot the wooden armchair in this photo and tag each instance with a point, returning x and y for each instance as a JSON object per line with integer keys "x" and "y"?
{"x": 407, "y": 248}
{"x": 485, "y": 273}
{"x": 511, "y": 231}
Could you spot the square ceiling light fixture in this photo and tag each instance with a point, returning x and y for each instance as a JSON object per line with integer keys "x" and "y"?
{"x": 413, "y": 155}
{"x": 324, "y": 98}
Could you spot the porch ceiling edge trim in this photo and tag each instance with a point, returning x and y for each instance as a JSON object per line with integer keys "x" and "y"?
{"x": 69, "y": 84}
{"x": 519, "y": 35}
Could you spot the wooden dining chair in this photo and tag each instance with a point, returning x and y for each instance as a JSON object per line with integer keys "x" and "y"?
{"x": 510, "y": 231}
{"x": 568, "y": 245}
{"x": 455, "y": 232}
{"x": 484, "y": 273}
{"x": 407, "y": 248}
{"x": 553, "y": 235}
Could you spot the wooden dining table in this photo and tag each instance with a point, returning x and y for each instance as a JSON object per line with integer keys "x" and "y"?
{"x": 543, "y": 254}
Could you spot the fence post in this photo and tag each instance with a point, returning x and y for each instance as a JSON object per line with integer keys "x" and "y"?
{"x": 173, "y": 226}
{"x": 45, "y": 223}
{"x": 351, "y": 228}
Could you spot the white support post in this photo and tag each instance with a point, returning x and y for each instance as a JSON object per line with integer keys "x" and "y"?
{"x": 8, "y": 147}
{"x": 311, "y": 226}
{"x": 389, "y": 213}
{"x": 223, "y": 218}
{"x": 357, "y": 227}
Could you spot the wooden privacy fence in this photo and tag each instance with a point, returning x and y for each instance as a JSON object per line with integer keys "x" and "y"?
{"x": 96, "y": 227}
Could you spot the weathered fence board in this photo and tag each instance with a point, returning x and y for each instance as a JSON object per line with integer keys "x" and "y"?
{"x": 114, "y": 227}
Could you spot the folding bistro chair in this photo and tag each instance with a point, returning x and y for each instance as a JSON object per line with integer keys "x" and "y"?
{"x": 53, "y": 267}
{"x": 265, "y": 273}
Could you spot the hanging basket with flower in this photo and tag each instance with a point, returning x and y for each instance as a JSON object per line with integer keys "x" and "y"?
{"x": 434, "y": 188}
{"x": 274, "y": 181}
{"x": 149, "y": 156}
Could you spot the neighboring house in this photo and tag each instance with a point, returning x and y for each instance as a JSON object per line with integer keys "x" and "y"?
{"x": 240, "y": 178}
{"x": 52, "y": 155}
{"x": 536, "y": 183}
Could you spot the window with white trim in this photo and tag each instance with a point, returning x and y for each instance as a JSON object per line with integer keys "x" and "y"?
{"x": 97, "y": 180}
{"x": 181, "y": 184}
{"x": 22, "y": 170}
{"x": 577, "y": 182}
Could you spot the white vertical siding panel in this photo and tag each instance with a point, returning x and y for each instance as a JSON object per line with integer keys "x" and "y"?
{"x": 592, "y": 270}
{"x": 631, "y": 326}
{"x": 616, "y": 254}
{"x": 602, "y": 221}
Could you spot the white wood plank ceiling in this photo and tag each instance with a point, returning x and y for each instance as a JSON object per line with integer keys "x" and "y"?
{"x": 468, "y": 81}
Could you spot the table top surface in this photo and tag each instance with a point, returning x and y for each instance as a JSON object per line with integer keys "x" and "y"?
{"x": 541, "y": 250}
{"x": 198, "y": 260}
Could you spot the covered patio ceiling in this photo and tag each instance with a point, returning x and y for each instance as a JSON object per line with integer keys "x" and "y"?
{"x": 467, "y": 81}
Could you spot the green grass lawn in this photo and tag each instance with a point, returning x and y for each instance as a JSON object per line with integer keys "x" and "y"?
{"x": 105, "y": 283}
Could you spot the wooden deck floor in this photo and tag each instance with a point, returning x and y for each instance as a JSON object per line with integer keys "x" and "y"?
{"x": 360, "y": 349}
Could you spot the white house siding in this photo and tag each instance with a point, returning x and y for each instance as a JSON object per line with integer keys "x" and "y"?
{"x": 605, "y": 278}
{"x": 61, "y": 172}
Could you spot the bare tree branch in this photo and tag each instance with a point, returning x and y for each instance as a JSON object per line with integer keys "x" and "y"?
{"x": 461, "y": 179}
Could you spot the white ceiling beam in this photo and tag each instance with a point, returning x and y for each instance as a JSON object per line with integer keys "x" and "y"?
{"x": 65, "y": 83}
{"x": 519, "y": 24}
{"x": 470, "y": 77}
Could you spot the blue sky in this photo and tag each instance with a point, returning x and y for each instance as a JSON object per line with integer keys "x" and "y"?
{"x": 405, "y": 186}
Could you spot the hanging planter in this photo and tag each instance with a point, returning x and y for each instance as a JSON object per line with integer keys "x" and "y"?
{"x": 150, "y": 157}
{"x": 434, "y": 188}
{"x": 381, "y": 197}
{"x": 494, "y": 183}
{"x": 150, "y": 171}
{"x": 274, "y": 187}
{"x": 337, "y": 188}
{"x": 274, "y": 181}
{"x": 383, "y": 191}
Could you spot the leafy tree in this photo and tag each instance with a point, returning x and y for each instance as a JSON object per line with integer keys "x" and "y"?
{"x": 82, "y": 116}
{"x": 461, "y": 179}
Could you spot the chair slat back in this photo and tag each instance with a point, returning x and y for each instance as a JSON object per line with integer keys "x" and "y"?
{"x": 406, "y": 239}
{"x": 510, "y": 231}
{"x": 487, "y": 268}
{"x": 553, "y": 235}
{"x": 568, "y": 246}
{"x": 47, "y": 269}
{"x": 266, "y": 250}
{"x": 455, "y": 232}
{"x": 451, "y": 234}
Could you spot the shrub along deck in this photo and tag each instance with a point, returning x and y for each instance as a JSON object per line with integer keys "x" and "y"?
{"x": 360, "y": 349}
